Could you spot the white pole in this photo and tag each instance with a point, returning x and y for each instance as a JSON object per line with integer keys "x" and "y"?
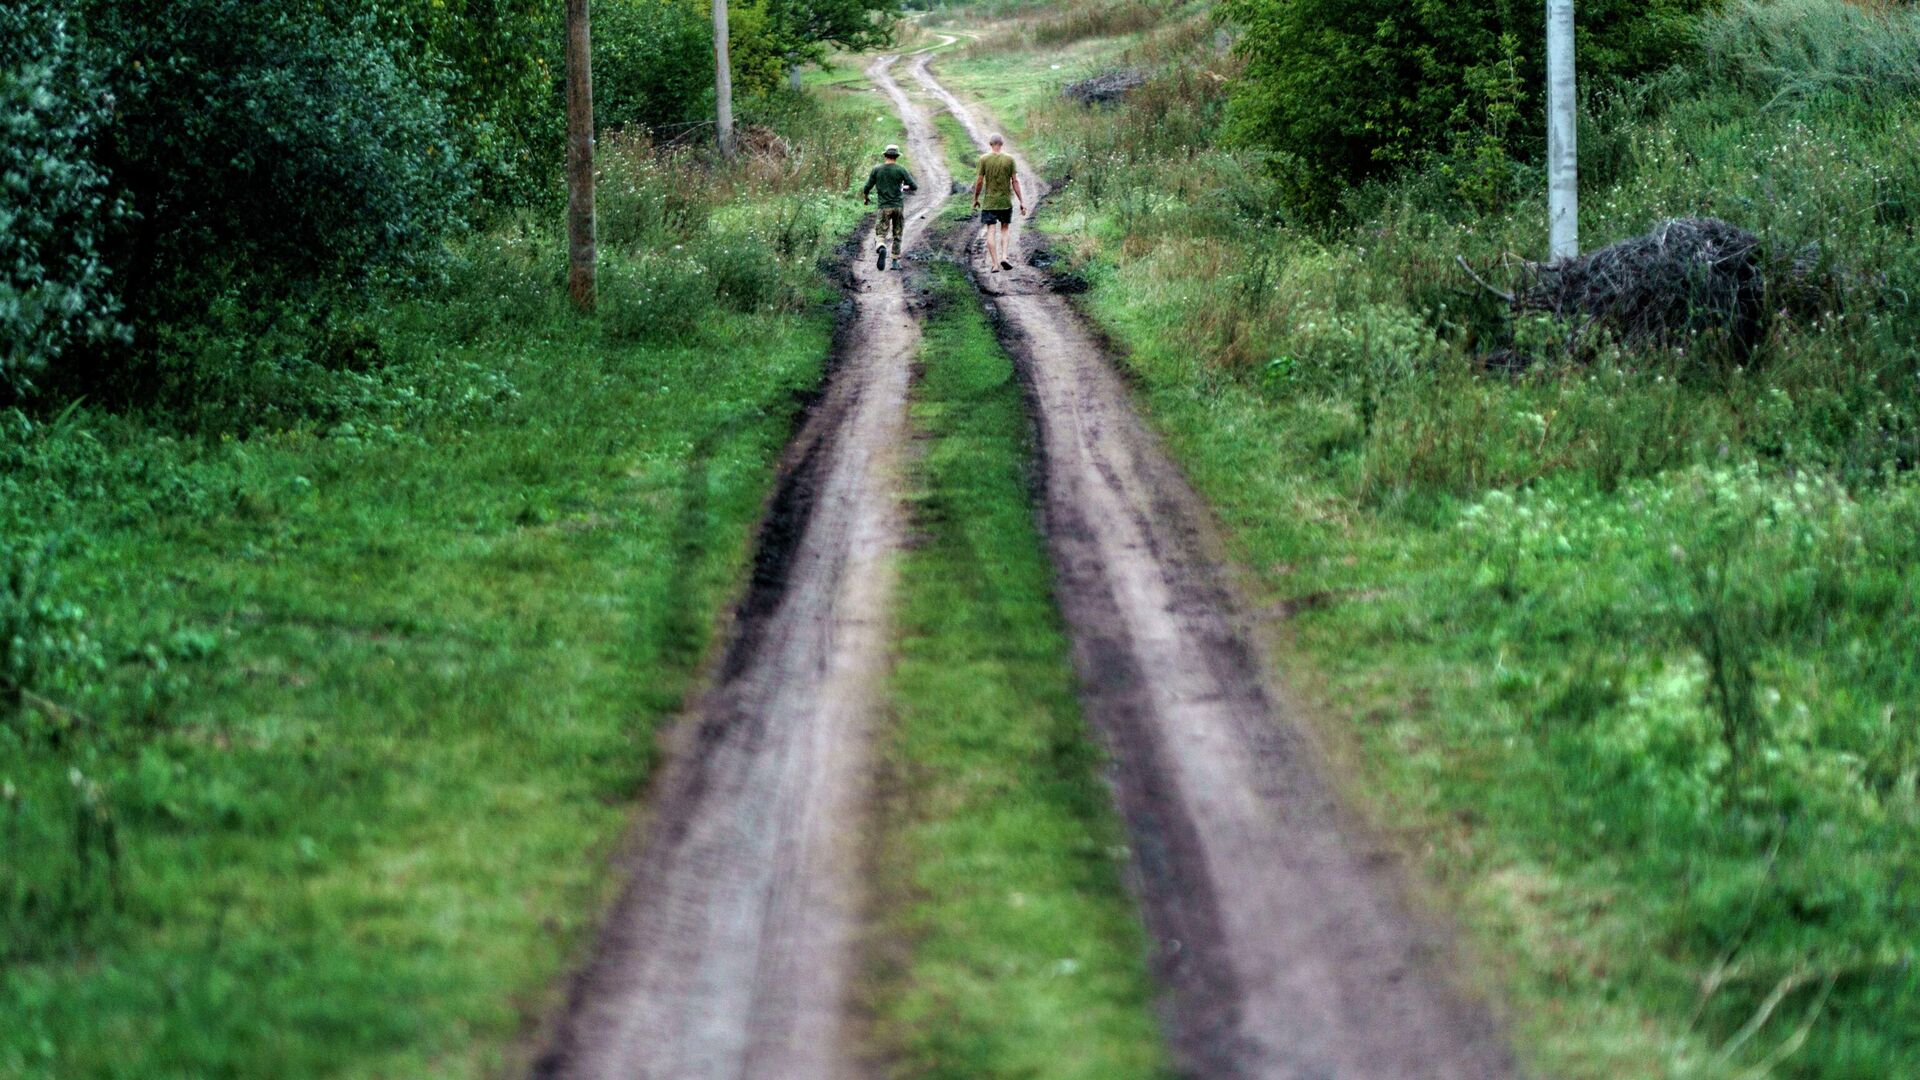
{"x": 1563, "y": 166}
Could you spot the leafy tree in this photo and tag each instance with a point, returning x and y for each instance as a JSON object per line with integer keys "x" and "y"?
{"x": 652, "y": 62}
{"x": 803, "y": 30}
{"x": 268, "y": 151}
{"x": 1343, "y": 91}
{"x": 55, "y": 204}
{"x": 494, "y": 61}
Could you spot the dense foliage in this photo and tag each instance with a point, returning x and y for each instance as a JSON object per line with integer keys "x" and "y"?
{"x": 653, "y": 59}
{"x": 55, "y": 202}
{"x": 267, "y": 151}
{"x": 1341, "y": 91}
{"x": 653, "y": 62}
{"x": 495, "y": 63}
{"x": 1630, "y": 629}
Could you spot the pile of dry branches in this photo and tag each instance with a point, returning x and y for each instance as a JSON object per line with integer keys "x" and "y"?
{"x": 1689, "y": 279}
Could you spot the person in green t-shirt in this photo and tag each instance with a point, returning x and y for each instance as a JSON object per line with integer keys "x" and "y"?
{"x": 893, "y": 182}
{"x": 995, "y": 188}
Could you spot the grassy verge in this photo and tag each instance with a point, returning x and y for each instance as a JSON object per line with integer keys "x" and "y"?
{"x": 410, "y": 683}
{"x": 329, "y": 729}
{"x": 1019, "y": 952}
{"x": 1620, "y": 645}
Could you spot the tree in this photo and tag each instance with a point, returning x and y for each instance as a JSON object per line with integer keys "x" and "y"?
{"x": 55, "y": 204}
{"x": 803, "y": 30}
{"x": 1345, "y": 91}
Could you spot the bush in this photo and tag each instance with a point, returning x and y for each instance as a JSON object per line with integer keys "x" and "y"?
{"x": 744, "y": 273}
{"x": 657, "y": 299}
{"x": 268, "y": 152}
{"x": 43, "y": 643}
{"x": 652, "y": 63}
{"x": 494, "y": 61}
{"x": 55, "y": 205}
{"x": 1344, "y": 92}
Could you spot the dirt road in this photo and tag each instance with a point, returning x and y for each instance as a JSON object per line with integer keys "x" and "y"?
{"x": 1283, "y": 944}
{"x": 732, "y": 952}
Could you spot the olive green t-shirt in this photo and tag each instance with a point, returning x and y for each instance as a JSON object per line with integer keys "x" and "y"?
{"x": 891, "y": 182}
{"x": 997, "y": 171}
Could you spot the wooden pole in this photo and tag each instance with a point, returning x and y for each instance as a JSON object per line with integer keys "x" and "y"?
{"x": 1563, "y": 160}
{"x": 582, "y": 255}
{"x": 722, "y": 79}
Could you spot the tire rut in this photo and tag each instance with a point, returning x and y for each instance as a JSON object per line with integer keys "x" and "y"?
{"x": 732, "y": 951}
{"x": 1284, "y": 940}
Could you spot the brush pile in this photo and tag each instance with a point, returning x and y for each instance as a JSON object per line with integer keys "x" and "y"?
{"x": 1104, "y": 89}
{"x": 1689, "y": 280}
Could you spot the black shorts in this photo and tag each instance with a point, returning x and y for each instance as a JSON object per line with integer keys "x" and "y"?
{"x": 997, "y": 217}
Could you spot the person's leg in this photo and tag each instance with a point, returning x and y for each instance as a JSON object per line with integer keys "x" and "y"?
{"x": 899, "y": 230}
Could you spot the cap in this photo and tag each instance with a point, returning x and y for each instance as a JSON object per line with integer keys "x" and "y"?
{"x": 891, "y": 149}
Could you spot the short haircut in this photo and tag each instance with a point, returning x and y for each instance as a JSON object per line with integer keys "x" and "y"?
{"x": 996, "y": 140}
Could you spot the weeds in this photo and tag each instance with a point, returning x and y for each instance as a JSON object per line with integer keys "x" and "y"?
{"x": 1640, "y": 648}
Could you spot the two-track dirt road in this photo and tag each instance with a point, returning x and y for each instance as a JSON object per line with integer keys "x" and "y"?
{"x": 1283, "y": 946}
{"x": 732, "y": 953}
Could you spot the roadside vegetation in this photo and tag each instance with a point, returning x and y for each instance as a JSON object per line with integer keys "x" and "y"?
{"x": 345, "y": 571}
{"x": 1620, "y": 639}
{"x": 1013, "y": 949}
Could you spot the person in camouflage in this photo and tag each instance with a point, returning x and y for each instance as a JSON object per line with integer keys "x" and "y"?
{"x": 892, "y": 182}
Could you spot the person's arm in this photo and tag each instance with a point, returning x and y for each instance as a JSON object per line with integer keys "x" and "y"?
{"x": 979, "y": 181}
{"x": 866, "y": 193}
{"x": 911, "y": 186}
{"x": 1015, "y": 178}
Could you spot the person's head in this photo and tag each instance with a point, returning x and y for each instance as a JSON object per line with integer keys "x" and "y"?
{"x": 891, "y": 153}
{"x": 995, "y": 143}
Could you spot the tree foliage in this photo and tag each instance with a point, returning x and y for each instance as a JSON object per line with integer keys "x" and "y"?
{"x": 495, "y": 62}
{"x": 268, "y": 151}
{"x": 1343, "y": 91}
{"x": 652, "y": 62}
{"x": 55, "y": 202}
{"x": 653, "y": 59}
{"x": 803, "y": 30}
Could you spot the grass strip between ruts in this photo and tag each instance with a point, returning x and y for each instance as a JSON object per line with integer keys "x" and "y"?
{"x": 1018, "y": 953}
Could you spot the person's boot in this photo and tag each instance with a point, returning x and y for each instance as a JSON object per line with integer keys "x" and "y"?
{"x": 881, "y": 262}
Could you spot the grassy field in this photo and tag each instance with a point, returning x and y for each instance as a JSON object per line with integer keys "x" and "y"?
{"x": 1014, "y": 951}
{"x": 331, "y": 728}
{"x": 1622, "y": 646}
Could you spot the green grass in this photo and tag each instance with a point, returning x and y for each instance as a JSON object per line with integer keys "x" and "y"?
{"x": 372, "y": 824}
{"x": 1015, "y": 951}
{"x": 333, "y": 727}
{"x": 1623, "y": 647}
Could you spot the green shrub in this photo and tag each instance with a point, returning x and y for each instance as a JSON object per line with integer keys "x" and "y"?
{"x": 55, "y": 205}
{"x": 267, "y": 152}
{"x": 656, "y": 299}
{"x": 43, "y": 641}
{"x": 652, "y": 63}
{"x": 494, "y": 61}
{"x": 1342, "y": 92}
{"x": 744, "y": 274}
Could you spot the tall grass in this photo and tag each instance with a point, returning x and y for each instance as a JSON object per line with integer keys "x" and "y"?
{"x": 1638, "y": 642}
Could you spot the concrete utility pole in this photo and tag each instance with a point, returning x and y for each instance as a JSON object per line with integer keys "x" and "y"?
{"x": 1563, "y": 159}
{"x": 581, "y": 248}
{"x": 722, "y": 78}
